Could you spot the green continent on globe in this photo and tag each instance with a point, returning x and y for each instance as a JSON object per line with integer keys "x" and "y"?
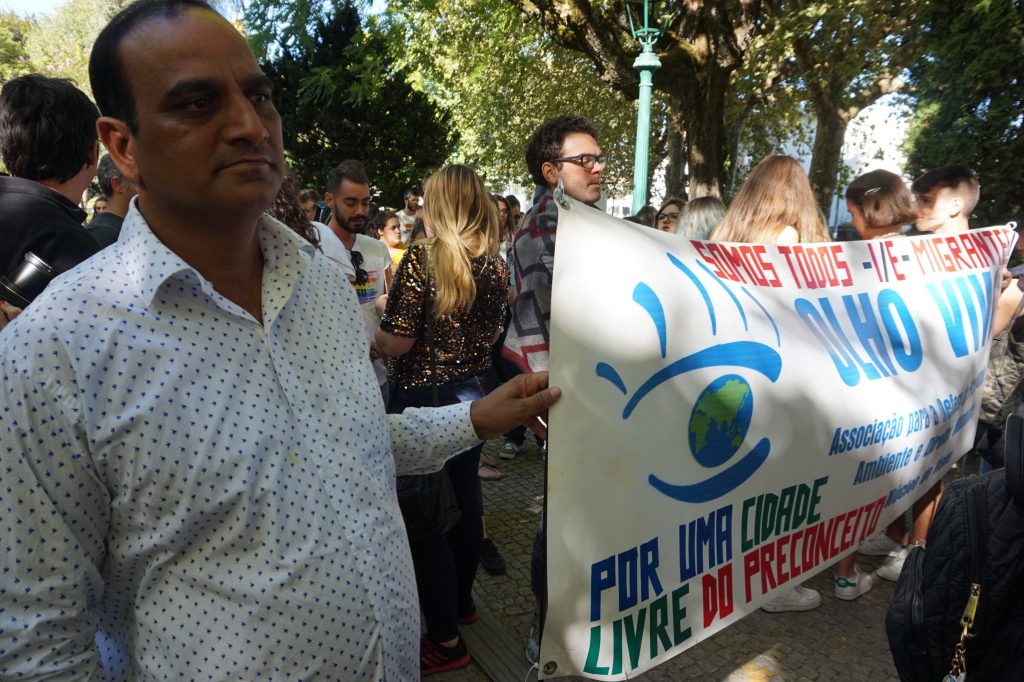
{"x": 715, "y": 413}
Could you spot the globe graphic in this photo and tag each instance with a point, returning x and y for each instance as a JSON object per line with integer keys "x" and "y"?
{"x": 720, "y": 420}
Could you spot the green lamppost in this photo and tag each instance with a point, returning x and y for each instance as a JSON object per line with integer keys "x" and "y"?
{"x": 646, "y": 62}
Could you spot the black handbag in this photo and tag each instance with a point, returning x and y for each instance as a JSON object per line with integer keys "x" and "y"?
{"x": 427, "y": 501}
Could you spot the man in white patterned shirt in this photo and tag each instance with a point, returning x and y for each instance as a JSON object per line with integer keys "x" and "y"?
{"x": 198, "y": 474}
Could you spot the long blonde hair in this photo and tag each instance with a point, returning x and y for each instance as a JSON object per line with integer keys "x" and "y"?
{"x": 776, "y": 195}
{"x": 459, "y": 210}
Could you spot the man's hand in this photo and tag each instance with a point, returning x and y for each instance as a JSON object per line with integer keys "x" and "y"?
{"x": 1007, "y": 278}
{"x": 7, "y": 313}
{"x": 375, "y": 353}
{"x": 522, "y": 400}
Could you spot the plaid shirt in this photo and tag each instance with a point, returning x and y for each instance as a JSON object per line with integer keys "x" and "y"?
{"x": 533, "y": 254}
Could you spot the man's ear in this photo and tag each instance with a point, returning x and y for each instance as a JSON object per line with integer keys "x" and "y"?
{"x": 118, "y": 184}
{"x": 117, "y": 137}
{"x": 550, "y": 173}
{"x": 957, "y": 204}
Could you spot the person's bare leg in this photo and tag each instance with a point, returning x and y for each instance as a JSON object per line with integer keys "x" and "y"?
{"x": 847, "y": 566}
{"x": 924, "y": 512}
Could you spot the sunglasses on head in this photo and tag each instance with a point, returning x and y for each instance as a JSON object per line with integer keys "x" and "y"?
{"x": 362, "y": 277}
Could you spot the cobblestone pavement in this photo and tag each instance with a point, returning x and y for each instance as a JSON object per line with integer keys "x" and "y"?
{"x": 838, "y": 641}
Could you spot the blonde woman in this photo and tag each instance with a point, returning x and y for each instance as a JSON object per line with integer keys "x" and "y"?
{"x": 776, "y": 206}
{"x": 445, "y": 309}
{"x": 700, "y": 217}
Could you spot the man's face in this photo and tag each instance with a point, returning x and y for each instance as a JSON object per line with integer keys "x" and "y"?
{"x": 936, "y": 208}
{"x": 412, "y": 202}
{"x": 580, "y": 183}
{"x": 209, "y": 137}
{"x": 350, "y": 205}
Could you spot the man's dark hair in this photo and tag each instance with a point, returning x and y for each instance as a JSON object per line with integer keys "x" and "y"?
{"x": 106, "y": 171}
{"x": 349, "y": 169}
{"x": 957, "y": 177}
{"x": 409, "y": 192}
{"x": 106, "y": 72}
{"x": 47, "y": 128}
{"x": 546, "y": 143}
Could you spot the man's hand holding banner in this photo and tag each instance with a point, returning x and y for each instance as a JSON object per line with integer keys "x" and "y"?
{"x": 735, "y": 418}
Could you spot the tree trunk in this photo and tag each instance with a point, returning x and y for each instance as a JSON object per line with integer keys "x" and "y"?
{"x": 827, "y": 155}
{"x": 706, "y": 131}
{"x": 675, "y": 175}
{"x": 734, "y": 149}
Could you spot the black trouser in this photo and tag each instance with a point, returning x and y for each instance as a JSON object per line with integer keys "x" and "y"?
{"x": 446, "y": 563}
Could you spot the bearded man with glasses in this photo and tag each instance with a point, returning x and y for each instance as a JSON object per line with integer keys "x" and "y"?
{"x": 563, "y": 149}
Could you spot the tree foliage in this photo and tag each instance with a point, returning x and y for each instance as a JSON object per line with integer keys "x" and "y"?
{"x": 341, "y": 96}
{"x": 844, "y": 56}
{"x": 500, "y": 76}
{"x": 14, "y": 30}
{"x": 703, "y": 45}
{"x": 59, "y": 44}
{"x": 970, "y": 98}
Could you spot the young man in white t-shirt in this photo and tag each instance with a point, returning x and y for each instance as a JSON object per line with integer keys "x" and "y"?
{"x": 407, "y": 216}
{"x": 348, "y": 197}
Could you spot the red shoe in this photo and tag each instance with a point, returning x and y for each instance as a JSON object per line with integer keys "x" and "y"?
{"x": 437, "y": 658}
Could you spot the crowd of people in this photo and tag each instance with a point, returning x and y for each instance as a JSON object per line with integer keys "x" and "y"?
{"x": 246, "y": 421}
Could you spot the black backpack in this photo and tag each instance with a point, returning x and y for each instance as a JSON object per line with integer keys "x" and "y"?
{"x": 975, "y": 544}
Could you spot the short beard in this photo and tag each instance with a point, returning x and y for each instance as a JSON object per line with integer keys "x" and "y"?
{"x": 343, "y": 222}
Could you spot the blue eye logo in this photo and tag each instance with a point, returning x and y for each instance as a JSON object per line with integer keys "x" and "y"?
{"x": 721, "y": 415}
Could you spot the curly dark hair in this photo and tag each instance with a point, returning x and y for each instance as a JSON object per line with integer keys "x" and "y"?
{"x": 546, "y": 143}
{"x": 288, "y": 209}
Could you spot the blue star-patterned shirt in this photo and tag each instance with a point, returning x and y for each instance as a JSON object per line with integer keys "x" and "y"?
{"x": 187, "y": 493}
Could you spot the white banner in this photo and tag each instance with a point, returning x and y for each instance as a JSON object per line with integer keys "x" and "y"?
{"x": 737, "y": 417}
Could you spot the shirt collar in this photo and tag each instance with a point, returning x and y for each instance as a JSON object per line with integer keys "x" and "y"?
{"x": 32, "y": 187}
{"x": 149, "y": 263}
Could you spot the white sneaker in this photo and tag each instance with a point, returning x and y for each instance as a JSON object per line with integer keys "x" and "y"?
{"x": 533, "y": 640}
{"x": 849, "y": 589}
{"x": 799, "y": 598}
{"x": 880, "y": 545}
{"x": 893, "y": 565}
{"x": 509, "y": 450}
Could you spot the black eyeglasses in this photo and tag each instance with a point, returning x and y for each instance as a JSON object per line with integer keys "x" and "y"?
{"x": 362, "y": 277}
{"x": 585, "y": 161}
{"x": 671, "y": 217}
